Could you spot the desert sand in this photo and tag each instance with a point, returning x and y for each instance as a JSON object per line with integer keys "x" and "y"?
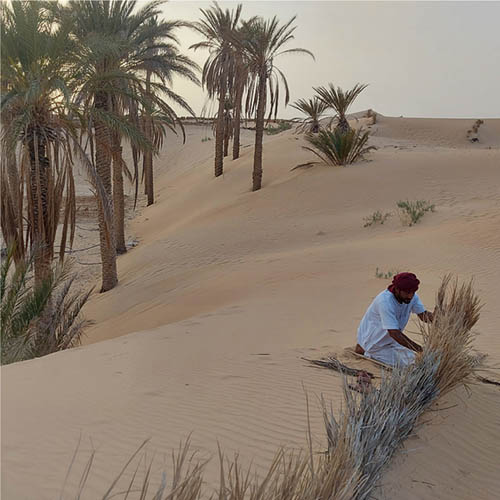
{"x": 228, "y": 289}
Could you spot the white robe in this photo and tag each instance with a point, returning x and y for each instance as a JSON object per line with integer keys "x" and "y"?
{"x": 386, "y": 313}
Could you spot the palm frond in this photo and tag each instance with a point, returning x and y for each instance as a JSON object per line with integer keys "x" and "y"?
{"x": 337, "y": 147}
{"x": 339, "y": 101}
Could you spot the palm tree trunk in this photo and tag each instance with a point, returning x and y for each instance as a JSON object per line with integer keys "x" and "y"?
{"x": 219, "y": 130}
{"x": 118, "y": 195}
{"x": 259, "y": 134}
{"x": 226, "y": 136}
{"x": 148, "y": 155}
{"x": 148, "y": 173}
{"x": 103, "y": 167}
{"x": 237, "y": 119}
{"x": 343, "y": 124}
{"x": 11, "y": 185}
{"x": 39, "y": 184}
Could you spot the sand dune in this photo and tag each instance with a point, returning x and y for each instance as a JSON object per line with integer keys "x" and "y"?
{"x": 227, "y": 289}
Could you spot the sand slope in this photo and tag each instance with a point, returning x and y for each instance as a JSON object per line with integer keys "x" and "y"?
{"x": 228, "y": 289}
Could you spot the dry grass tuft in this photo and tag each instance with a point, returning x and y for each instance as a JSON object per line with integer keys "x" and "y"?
{"x": 450, "y": 336}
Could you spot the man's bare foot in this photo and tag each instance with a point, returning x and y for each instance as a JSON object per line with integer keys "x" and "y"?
{"x": 359, "y": 350}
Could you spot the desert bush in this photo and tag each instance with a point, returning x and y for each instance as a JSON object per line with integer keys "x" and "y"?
{"x": 206, "y": 139}
{"x": 38, "y": 321}
{"x": 472, "y": 134}
{"x": 337, "y": 147}
{"x": 376, "y": 218}
{"x": 410, "y": 212}
{"x": 281, "y": 127}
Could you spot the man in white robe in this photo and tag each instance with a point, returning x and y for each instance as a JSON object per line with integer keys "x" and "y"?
{"x": 380, "y": 333}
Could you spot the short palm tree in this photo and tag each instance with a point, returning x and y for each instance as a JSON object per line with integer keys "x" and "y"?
{"x": 217, "y": 27}
{"x": 313, "y": 109}
{"x": 340, "y": 101}
{"x": 263, "y": 43}
{"x": 338, "y": 147}
{"x": 27, "y": 331}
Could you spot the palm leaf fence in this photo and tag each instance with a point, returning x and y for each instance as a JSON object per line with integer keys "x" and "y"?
{"x": 363, "y": 436}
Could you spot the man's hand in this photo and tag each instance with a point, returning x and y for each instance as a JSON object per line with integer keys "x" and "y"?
{"x": 403, "y": 340}
{"x": 426, "y": 316}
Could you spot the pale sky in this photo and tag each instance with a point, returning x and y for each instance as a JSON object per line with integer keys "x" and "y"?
{"x": 420, "y": 59}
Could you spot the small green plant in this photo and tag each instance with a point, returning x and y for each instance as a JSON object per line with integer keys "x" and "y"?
{"x": 376, "y": 218}
{"x": 339, "y": 147}
{"x": 410, "y": 212}
{"x": 387, "y": 274}
{"x": 205, "y": 139}
{"x": 281, "y": 127}
{"x": 40, "y": 320}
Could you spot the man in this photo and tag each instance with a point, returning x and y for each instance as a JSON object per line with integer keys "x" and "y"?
{"x": 380, "y": 333}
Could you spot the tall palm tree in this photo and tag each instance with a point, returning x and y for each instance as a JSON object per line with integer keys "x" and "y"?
{"x": 110, "y": 60}
{"x": 313, "y": 109}
{"x": 262, "y": 46}
{"x": 159, "y": 57}
{"x": 340, "y": 101}
{"x": 218, "y": 27}
{"x": 35, "y": 114}
{"x": 228, "y": 124}
{"x": 239, "y": 81}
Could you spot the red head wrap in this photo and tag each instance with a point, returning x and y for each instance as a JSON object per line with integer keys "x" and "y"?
{"x": 406, "y": 282}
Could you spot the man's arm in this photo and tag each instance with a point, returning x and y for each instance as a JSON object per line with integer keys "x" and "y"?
{"x": 402, "y": 339}
{"x": 426, "y": 316}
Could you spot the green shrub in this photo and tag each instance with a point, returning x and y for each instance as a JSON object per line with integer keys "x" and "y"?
{"x": 38, "y": 321}
{"x": 376, "y": 218}
{"x": 338, "y": 147}
{"x": 281, "y": 127}
{"x": 205, "y": 139}
{"x": 410, "y": 212}
{"x": 385, "y": 275}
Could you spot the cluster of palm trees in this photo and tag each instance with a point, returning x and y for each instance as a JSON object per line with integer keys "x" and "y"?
{"x": 241, "y": 75}
{"x": 342, "y": 145}
{"x": 77, "y": 80}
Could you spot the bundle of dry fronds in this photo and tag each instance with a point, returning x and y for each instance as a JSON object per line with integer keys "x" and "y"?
{"x": 376, "y": 423}
{"x": 449, "y": 337}
{"x": 372, "y": 426}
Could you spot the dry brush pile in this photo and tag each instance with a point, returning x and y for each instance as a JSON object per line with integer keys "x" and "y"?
{"x": 362, "y": 438}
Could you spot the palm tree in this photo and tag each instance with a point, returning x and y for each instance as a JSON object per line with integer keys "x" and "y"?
{"x": 25, "y": 307}
{"x": 35, "y": 106}
{"x": 228, "y": 124}
{"x": 263, "y": 44}
{"x": 150, "y": 51}
{"x": 338, "y": 147}
{"x": 159, "y": 57}
{"x": 109, "y": 63}
{"x": 239, "y": 82}
{"x": 94, "y": 26}
{"x": 218, "y": 29}
{"x": 340, "y": 101}
{"x": 313, "y": 109}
